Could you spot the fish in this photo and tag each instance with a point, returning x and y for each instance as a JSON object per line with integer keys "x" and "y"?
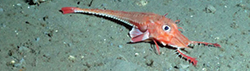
{"x": 148, "y": 27}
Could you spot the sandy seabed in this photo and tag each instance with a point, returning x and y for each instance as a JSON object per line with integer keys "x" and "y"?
{"x": 36, "y": 36}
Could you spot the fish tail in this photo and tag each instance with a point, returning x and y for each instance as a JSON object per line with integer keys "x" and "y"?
{"x": 67, "y": 10}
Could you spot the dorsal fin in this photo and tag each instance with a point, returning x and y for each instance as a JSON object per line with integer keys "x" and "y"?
{"x": 131, "y": 18}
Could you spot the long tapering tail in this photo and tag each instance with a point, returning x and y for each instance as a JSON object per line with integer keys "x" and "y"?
{"x": 67, "y": 10}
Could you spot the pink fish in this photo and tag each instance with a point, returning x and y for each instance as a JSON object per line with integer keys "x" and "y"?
{"x": 147, "y": 27}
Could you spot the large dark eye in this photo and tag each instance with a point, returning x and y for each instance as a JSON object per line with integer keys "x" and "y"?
{"x": 166, "y": 28}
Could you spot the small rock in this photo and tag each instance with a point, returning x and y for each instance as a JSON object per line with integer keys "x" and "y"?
{"x": 36, "y": 2}
{"x": 23, "y": 49}
{"x": 20, "y": 64}
{"x": 37, "y": 39}
{"x": 241, "y": 5}
{"x": 120, "y": 46}
{"x": 72, "y": 58}
{"x": 111, "y": 44}
{"x": 141, "y": 2}
{"x": 19, "y": 4}
{"x": 42, "y": 0}
{"x": 1, "y": 9}
{"x": 11, "y": 63}
{"x": 3, "y": 25}
{"x": 136, "y": 54}
{"x": 221, "y": 55}
{"x": 210, "y": 9}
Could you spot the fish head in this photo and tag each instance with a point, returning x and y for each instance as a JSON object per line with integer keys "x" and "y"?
{"x": 166, "y": 32}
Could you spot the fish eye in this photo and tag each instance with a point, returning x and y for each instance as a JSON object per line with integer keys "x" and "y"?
{"x": 166, "y": 28}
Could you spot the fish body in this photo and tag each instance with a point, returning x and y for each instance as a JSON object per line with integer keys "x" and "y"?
{"x": 147, "y": 27}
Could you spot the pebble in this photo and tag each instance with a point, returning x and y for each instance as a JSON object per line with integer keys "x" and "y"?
{"x": 241, "y": 5}
{"x": 42, "y": 0}
{"x": 37, "y": 39}
{"x": 221, "y": 55}
{"x": 23, "y": 49}
{"x": 19, "y": 4}
{"x": 1, "y": 9}
{"x": 120, "y": 46}
{"x": 3, "y": 25}
{"x": 210, "y": 9}
{"x": 111, "y": 44}
{"x": 21, "y": 62}
{"x": 72, "y": 58}
{"x": 142, "y": 2}
{"x": 136, "y": 54}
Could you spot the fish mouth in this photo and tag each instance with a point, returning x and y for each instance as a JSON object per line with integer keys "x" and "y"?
{"x": 179, "y": 40}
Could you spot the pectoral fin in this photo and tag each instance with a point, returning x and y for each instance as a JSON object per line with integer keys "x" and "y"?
{"x": 137, "y": 36}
